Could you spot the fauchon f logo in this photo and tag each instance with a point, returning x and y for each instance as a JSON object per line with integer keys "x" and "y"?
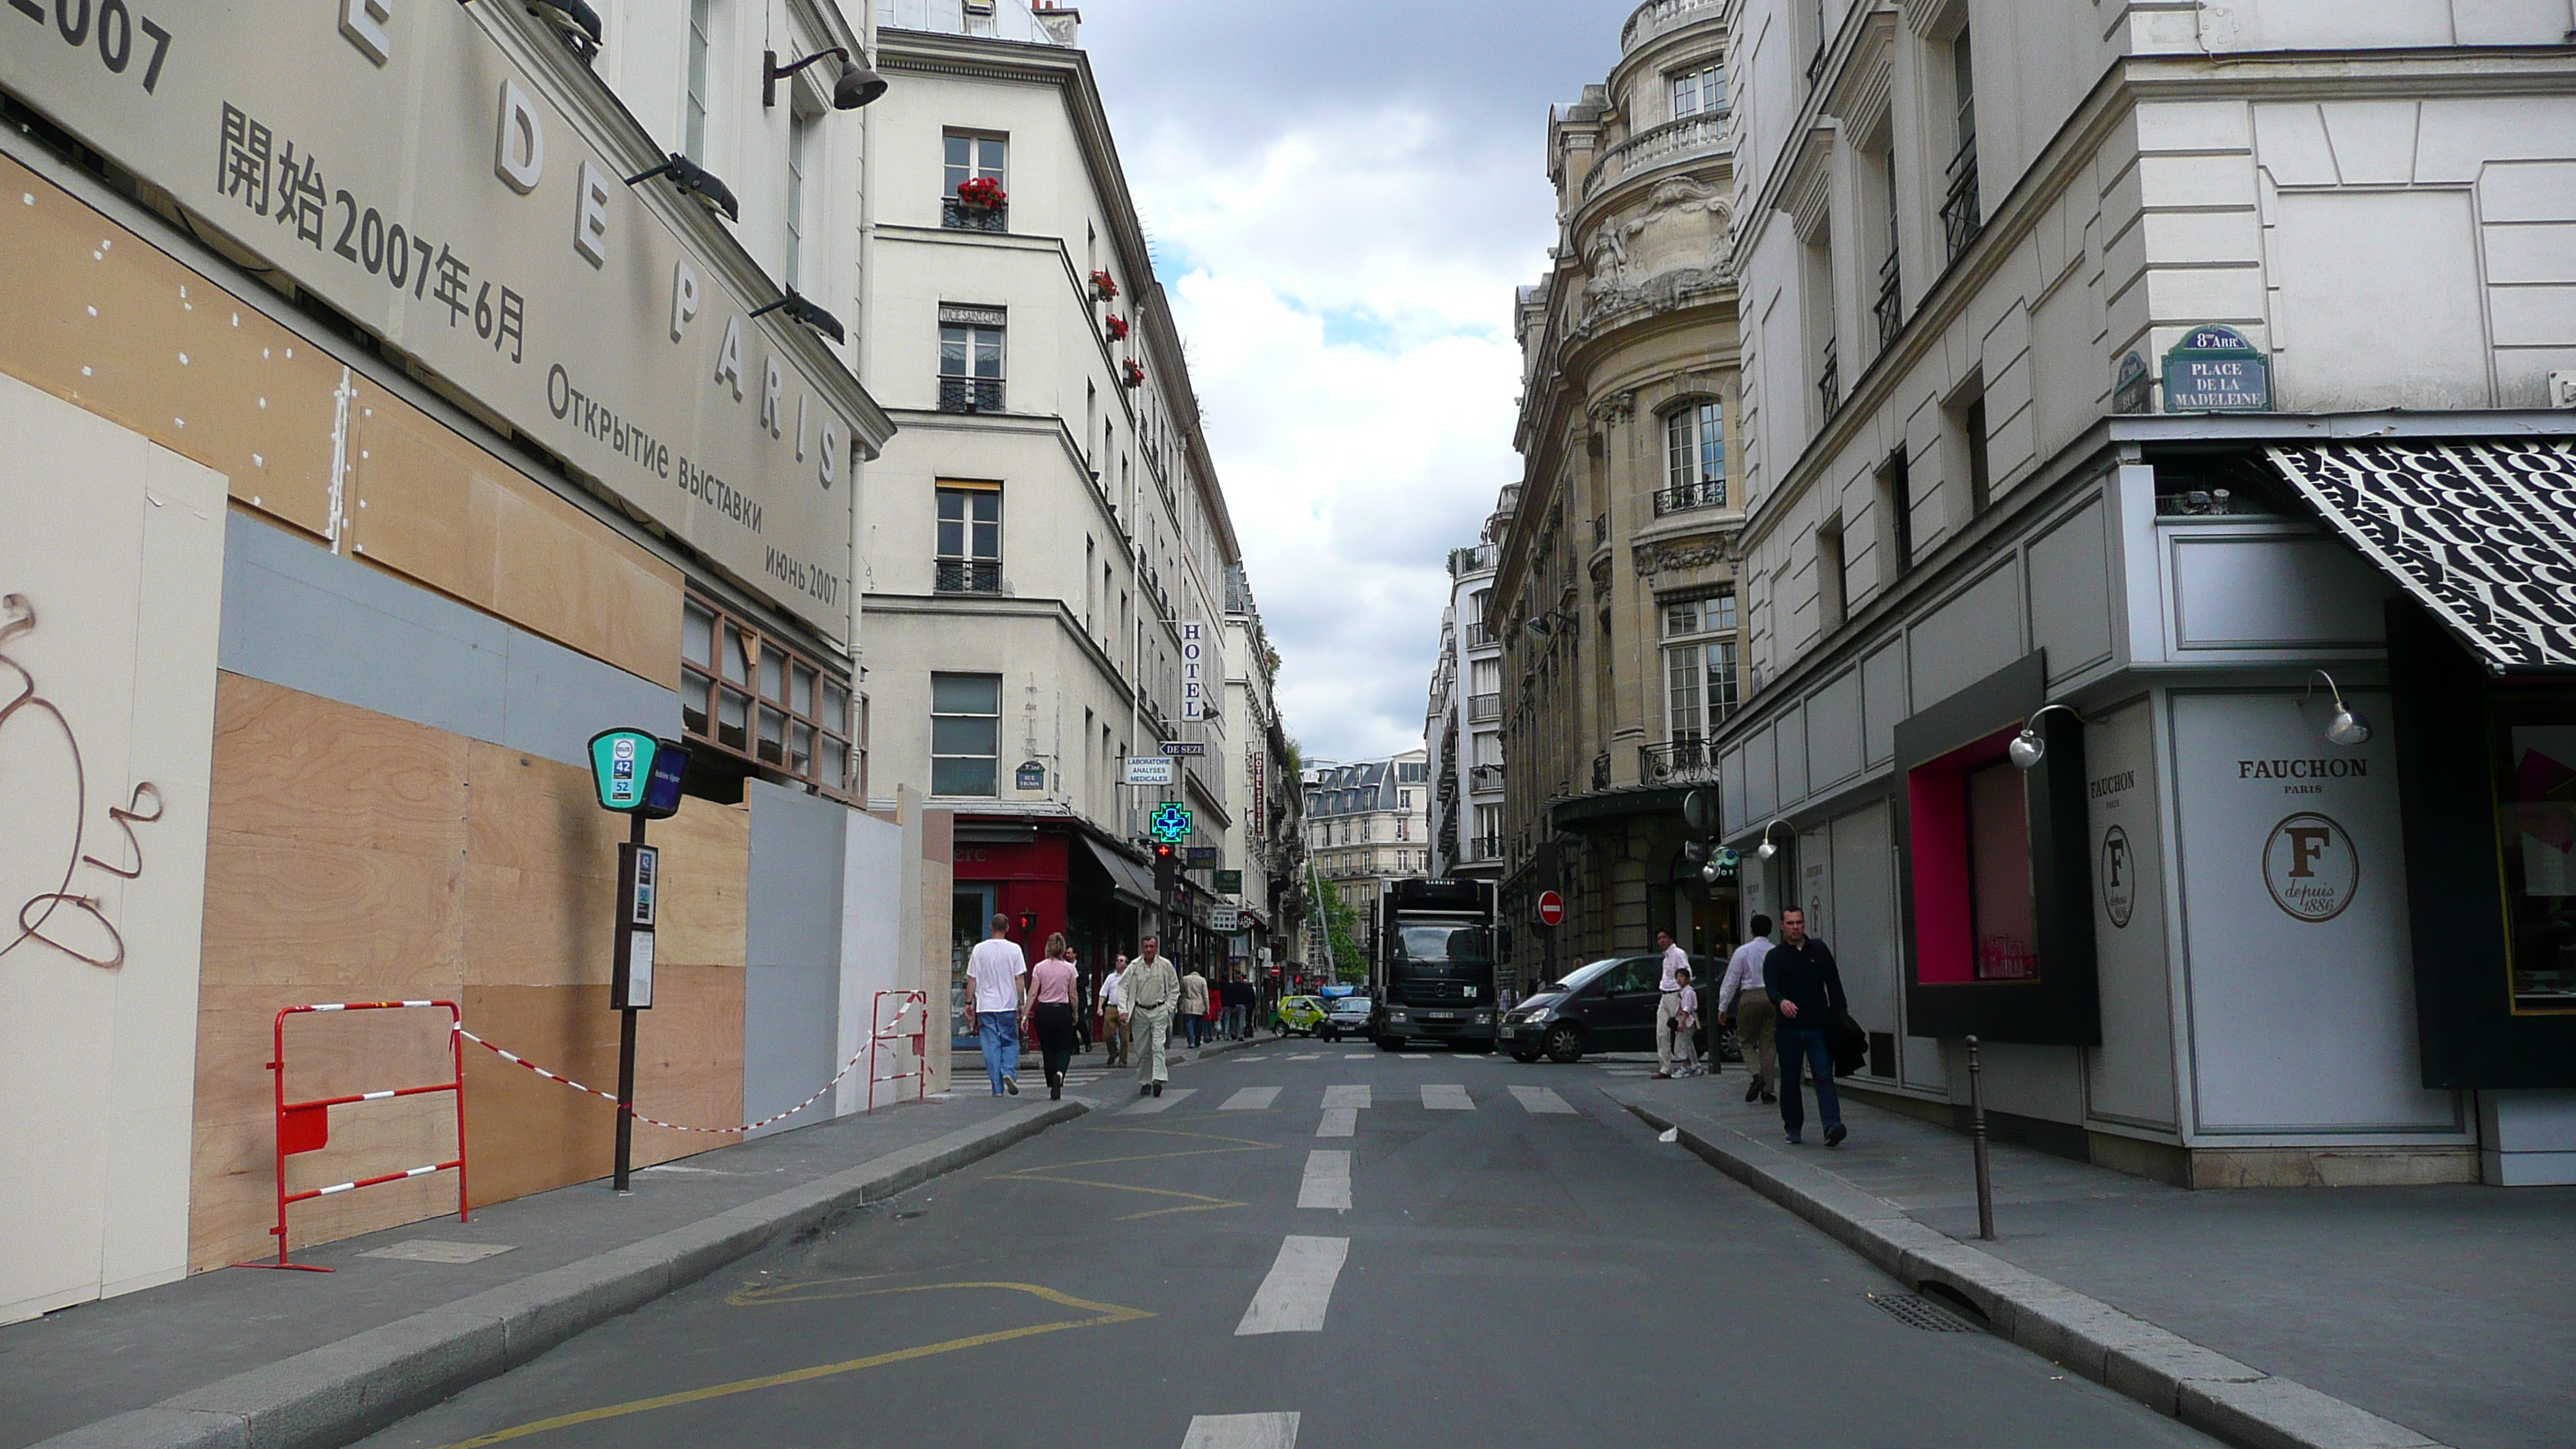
{"x": 2119, "y": 877}
{"x": 2311, "y": 867}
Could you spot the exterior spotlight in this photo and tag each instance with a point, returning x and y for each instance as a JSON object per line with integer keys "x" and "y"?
{"x": 1539, "y": 627}
{"x": 2346, "y": 728}
{"x": 1769, "y": 847}
{"x": 856, "y": 86}
{"x": 573, "y": 22}
{"x": 1711, "y": 871}
{"x": 696, "y": 180}
{"x": 804, "y": 310}
{"x": 2027, "y": 748}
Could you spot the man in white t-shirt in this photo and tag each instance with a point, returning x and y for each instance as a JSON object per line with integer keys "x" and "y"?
{"x": 997, "y": 987}
{"x": 1113, "y": 1013}
{"x": 1674, "y": 1051}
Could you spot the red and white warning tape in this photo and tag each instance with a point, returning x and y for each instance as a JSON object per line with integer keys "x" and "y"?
{"x": 509, "y": 1056}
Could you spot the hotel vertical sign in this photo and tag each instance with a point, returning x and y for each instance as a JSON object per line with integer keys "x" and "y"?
{"x": 398, "y": 163}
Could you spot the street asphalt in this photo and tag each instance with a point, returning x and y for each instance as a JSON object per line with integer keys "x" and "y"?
{"x": 1487, "y": 1253}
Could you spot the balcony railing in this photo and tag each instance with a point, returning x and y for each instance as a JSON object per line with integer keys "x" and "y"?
{"x": 1671, "y": 141}
{"x": 1479, "y": 637}
{"x": 1488, "y": 848}
{"x": 1683, "y": 761}
{"x": 1829, "y": 381}
{"x": 970, "y": 394}
{"x": 1601, "y": 530}
{"x": 1961, "y": 216}
{"x": 1891, "y": 300}
{"x": 1706, "y": 493}
{"x": 1484, "y": 778}
{"x": 1601, "y": 771}
{"x": 1463, "y": 561}
{"x": 958, "y": 216}
{"x": 997, "y": 19}
{"x": 1483, "y": 707}
{"x": 968, "y": 576}
{"x": 1652, "y": 18}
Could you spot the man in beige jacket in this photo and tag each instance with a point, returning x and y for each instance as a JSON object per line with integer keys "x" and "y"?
{"x": 1153, "y": 989}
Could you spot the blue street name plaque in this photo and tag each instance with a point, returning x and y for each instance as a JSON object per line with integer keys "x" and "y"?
{"x": 2215, "y": 370}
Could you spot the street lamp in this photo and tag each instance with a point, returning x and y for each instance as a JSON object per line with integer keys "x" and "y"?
{"x": 1769, "y": 847}
{"x": 2028, "y": 749}
{"x": 2345, "y": 727}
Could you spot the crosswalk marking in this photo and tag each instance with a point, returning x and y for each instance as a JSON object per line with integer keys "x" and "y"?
{"x": 1307, "y": 1057}
{"x": 1346, "y": 1096}
{"x": 1242, "y": 1431}
{"x": 1438, "y": 1097}
{"x": 1171, "y": 1098}
{"x": 1541, "y": 1099}
{"x": 1250, "y": 1099}
{"x": 1328, "y": 1181}
{"x": 1292, "y": 1299}
{"x": 1339, "y": 1122}
{"x": 1357, "y": 1056}
{"x": 1252, "y": 1059}
{"x": 1415, "y": 1056}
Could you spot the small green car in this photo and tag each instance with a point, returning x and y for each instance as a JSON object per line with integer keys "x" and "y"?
{"x": 1298, "y": 1015}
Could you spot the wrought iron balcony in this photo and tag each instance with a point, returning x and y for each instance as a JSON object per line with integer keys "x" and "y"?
{"x": 1600, "y": 530}
{"x": 1488, "y": 848}
{"x": 956, "y": 215}
{"x": 1706, "y": 493}
{"x": 1829, "y": 381}
{"x": 970, "y": 394}
{"x": 1682, "y": 761}
{"x": 1891, "y": 299}
{"x": 1485, "y": 778}
{"x": 1601, "y": 771}
{"x": 1483, "y": 707}
{"x": 1961, "y": 216}
{"x": 968, "y": 576}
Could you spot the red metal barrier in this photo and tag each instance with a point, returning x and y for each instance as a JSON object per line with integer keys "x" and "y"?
{"x": 306, "y": 1126}
{"x": 880, "y": 1031}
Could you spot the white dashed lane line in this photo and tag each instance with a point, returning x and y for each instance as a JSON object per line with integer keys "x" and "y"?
{"x": 1541, "y": 1099}
{"x": 1172, "y": 1097}
{"x": 1250, "y": 1099}
{"x": 1346, "y": 1096}
{"x": 1300, "y": 1287}
{"x": 1242, "y": 1431}
{"x": 1446, "y": 1097}
{"x": 1328, "y": 1181}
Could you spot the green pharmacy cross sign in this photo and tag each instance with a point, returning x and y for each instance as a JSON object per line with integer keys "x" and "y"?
{"x": 1171, "y": 823}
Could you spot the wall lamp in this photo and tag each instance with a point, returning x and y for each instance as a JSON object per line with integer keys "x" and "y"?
{"x": 857, "y": 85}
{"x": 804, "y": 310}
{"x": 2346, "y": 728}
{"x": 573, "y": 22}
{"x": 1769, "y": 847}
{"x": 2028, "y": 748}
{"x": 1540, "y": 625}
{"x": 696, "y": 180}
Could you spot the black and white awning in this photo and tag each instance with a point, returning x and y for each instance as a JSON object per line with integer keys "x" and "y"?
{"x": 2480, "y": 531}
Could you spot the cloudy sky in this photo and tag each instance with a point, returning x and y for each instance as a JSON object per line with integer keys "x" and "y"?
{"x": 1343, "y": 194}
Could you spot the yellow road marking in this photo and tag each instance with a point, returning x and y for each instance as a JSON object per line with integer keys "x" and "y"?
{"x": 1103, "y": 1313}
{"x": 1206, "y": 1203}
{"x": 753, "y": 1293}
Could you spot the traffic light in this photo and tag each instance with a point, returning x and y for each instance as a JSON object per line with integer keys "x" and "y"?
{"x": 1167, "y": 868}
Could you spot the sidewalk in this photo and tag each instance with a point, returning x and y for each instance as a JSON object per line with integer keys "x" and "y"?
{"x": 2443, "y": 1309}
{"x": 238, "y": 1357}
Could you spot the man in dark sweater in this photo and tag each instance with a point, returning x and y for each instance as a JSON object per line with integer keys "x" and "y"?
{"x": 1803, "y": 984}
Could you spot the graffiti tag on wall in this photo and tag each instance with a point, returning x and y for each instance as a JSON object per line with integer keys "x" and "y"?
{"x": 61, "y": 916}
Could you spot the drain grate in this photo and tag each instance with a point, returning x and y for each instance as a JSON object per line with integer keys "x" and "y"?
{"x": 1917, "y": 1312}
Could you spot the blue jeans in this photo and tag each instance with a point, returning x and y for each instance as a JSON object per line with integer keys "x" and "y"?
{"x": 998, "y": 1032}
{"x": 1808, "y": 1047}
{"x": 1192, "y": 1024}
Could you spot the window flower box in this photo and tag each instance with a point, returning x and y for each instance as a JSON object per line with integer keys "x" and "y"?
{"x": 983, "y": 193}
{"x": 1133, "y": 375}
{"x": 1104, "y": 286}
{"x": 1117, "y": 328}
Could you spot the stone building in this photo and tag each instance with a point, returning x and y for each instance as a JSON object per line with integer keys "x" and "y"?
{"x": 2156, "y": 531}
{"x": 1367, "y": 824}
{"x": 1614, "y": 590}
{"x": 1462, "y": 728}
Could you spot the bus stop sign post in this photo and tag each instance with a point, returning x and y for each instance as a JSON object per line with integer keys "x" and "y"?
{"x": 637, "y": 776}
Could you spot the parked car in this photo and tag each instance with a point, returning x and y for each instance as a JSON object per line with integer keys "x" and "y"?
{"x": 1346, "y": 1016}
{"x": 1298, "y": 1016}
{"x": 1602, "y": 1006}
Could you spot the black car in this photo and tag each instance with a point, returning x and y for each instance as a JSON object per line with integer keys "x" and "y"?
{"x": 1603, "y": 1006}
{"x": 1344, "y": 1016}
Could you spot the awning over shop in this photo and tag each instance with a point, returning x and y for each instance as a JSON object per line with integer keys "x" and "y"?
{"x": 1132, "y": 882}
{"x": 2480, "y": 531}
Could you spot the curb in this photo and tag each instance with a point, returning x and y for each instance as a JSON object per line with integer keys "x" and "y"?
{"x": 338, "y": 1394}
{"x": 2230, "y": 1401}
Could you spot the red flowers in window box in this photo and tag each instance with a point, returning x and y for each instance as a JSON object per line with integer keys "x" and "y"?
{"x": 1103, "y": 286}
{"x": 1117, "y": 328}
{"x": 1135, "y": 373}
{"x": 983, "y": 191}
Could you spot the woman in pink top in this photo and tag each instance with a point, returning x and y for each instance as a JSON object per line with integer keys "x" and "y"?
{"x": 1051, "y": 988}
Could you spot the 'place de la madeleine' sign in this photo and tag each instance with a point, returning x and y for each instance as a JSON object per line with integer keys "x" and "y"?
{"x": 398, "y": 163}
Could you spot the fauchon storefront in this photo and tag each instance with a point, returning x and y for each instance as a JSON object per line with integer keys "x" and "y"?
{"x": 367, "y": 443}
{"x": 2228, "y": 800}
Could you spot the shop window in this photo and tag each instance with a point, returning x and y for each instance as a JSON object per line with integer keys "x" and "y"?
{"x": 2536, "y": 818}
{"x": 2003, "y": 920}
{"x": 965, "y": 734}
{"x": 762, "y": 700}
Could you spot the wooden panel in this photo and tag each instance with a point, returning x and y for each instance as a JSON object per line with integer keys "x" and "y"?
{"x": 532, "y": 813}
{"x": 537, "y": 928}
{"x": 688, "y": 1062}
{"x": 421, "y": 499}
{"x": 706, "y": 885}
{"x": 101, "y": 319}
{"x": 299, "y": 767}
{"x": 563, "y": 574}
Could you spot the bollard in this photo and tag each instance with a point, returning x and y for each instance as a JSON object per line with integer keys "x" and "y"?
{"x": 1977, "y": 1142}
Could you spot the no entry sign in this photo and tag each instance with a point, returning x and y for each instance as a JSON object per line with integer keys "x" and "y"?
{"x": 1551, "y": 909}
